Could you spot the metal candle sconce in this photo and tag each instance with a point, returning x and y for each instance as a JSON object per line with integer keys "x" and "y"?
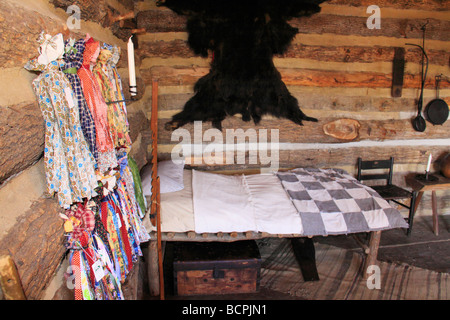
{"x": 132, "y": 73}
{"x": 133, "y": 91}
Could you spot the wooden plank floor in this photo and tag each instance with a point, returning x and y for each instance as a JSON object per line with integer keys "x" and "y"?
{"x": 422, "y": 249}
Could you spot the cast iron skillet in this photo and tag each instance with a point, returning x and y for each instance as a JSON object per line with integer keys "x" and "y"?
{"x": 437, "y": 109}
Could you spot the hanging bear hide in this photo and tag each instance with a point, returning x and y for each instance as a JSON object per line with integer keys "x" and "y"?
{"x": 243, "y": 36}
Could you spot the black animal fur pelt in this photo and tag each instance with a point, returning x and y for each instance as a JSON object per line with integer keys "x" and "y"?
{"x": 243, "y": 36}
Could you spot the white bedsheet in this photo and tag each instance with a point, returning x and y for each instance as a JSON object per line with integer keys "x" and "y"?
{"x": 274, "y": 211}
{"x": 225, "y": 203}
{"x": 241, "y": 203}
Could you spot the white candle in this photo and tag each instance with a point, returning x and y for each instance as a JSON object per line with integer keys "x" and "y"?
{"x": 429, "y": 163}
{"x": 131, "y": 67}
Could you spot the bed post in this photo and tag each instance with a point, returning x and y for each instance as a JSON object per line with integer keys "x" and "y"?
{"x": 306, "y": 257}
{"x": 160, "y": 248}
{"x": 154, "y": 156}
{"x": 372, "y": 252}
{"x": 155, "y": 260}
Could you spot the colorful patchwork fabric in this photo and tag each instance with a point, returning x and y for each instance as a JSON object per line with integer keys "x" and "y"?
{"x": 83, "y": 221}
{"x": 331, "y": 201}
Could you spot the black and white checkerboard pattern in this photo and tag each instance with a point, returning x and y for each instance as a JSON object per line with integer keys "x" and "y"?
{"x": 330, "y": 201}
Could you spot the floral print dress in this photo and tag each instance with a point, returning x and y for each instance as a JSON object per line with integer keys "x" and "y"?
{"x": 69, "y": 164}
{"x": 105, "y": 73}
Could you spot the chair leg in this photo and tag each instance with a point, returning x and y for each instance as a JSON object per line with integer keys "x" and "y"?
{"x": 412, "y": 211}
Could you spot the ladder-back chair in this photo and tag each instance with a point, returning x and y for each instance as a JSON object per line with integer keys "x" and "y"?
{"x": 388, "y": 191}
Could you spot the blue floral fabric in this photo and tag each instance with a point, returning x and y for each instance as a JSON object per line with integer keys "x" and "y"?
{"x": 69, "y": 164}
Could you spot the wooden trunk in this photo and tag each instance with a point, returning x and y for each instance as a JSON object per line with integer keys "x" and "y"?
{"x": 216, "y": 268}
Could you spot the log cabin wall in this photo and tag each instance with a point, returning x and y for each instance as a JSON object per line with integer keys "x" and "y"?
{"x": 336, "y": 67}
{"x": 340, "y": 71}
{"x": 31, "y": 231}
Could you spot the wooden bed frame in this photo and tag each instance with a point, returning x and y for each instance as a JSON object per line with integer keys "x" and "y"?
{"x": 303, "y": 246}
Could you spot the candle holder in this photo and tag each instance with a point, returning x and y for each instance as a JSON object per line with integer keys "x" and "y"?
{"x": 426, "y": 177}
{"x": 133, "y": 90}
{"x": 124, "y": 100}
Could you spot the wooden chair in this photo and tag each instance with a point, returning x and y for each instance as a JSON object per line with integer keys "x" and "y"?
{"x": 387, "y": 191}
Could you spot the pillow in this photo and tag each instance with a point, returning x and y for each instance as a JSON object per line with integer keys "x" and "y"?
{"x": 171, "y": 176}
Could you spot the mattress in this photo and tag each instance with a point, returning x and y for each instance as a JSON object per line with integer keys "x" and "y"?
{"x": 305, "y": 202}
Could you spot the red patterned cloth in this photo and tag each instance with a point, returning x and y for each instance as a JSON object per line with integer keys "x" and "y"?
{"x": 76, "y": 265}
{"x": 124, "y": 235}
{"x": 83, "y": 221}
{"x": 94, "y": 98}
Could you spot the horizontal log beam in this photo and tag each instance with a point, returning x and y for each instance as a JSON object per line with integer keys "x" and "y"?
{"x": 406, "y": 158}
{"x": 171, "y": 76}
{"x": 311, "y": 132}
{"x": 321, "y": 78}
{"x": 390, "y": 27}
{"x": 19, "y": 41}
{"x": 36, "y": 244}
{"x": 168, "y": 21}
{"x": 22, "y": 138}
{"x": 359, "y": 52}
{"x": 404, "y": 155}
{"x": 362, "y": 107}
{"x": 387, "y": 12}
{"x": 165, "y": 49}
{"x": 330, "y": 53}
{"x": 400, "y": 4}
{"x": 333, "y": 92}
{"x": 161, "y": 21}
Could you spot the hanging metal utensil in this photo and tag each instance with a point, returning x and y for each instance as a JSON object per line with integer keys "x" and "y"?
{"x": 437, "y": 109}
{"x": 418, "y": 122}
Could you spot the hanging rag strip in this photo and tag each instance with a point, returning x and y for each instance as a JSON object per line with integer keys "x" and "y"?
{"x": 73, "y": 58}
{"x": 93, "y": 272}
{"x": 104, "y": 237}
{"x": 139, "y": 193}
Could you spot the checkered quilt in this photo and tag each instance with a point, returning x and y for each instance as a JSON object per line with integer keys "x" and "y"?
{"x": 330, "y": 201}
